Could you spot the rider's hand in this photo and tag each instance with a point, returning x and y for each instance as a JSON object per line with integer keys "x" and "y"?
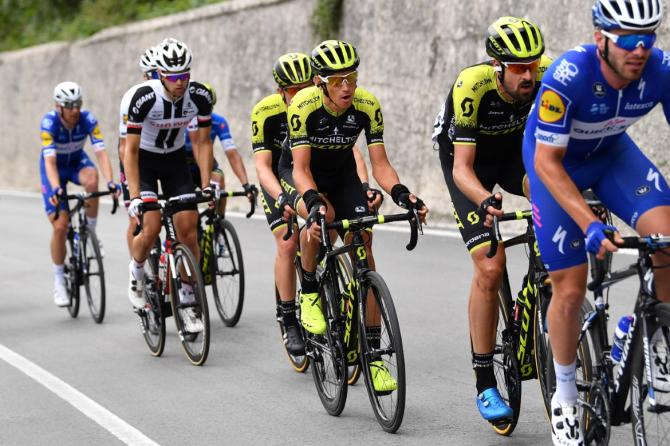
{"x": 134, "y": 209}
{"x": 284, "y": 205}
{"x": 489, "y": 208}
{"x": 312, "y": 225}
{"x": 114, "y": 188}
{"x": 216, "y": 188}
{"x": 250, "y": 190}
{"x": 56, "y": 196}
{"x": 596, "y": 239}
{"x": 208, "y": 192}
{"x": 374, "y": 197}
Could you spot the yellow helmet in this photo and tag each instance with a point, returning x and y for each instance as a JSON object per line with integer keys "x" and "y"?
{"x": 292, "y": 69}
{"x": 332, "y": 56}
{"x": 512, "y": 39}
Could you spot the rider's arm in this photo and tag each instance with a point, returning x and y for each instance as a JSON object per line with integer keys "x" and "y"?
{"x": 98, "y": 143}
{"x": 464, "y": 173}
{"x": 382, "y": 170}
{"x": 131, "y": 164}
{"x": 51, "y": 166}
{"x": 302, "y": 173}
{"x": 549, "y": 167}
{"x": 202, "y": 145}
{"x": 263, "y": 162}
{"x": 105, "y": 165}
{"x": 361, "y": 168}
{"x": 237, "y": 165}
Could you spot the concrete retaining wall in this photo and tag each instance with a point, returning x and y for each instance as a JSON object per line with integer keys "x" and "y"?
{"x": 411, "y": 52}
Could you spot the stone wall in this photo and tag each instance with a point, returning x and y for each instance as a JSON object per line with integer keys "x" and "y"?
{"x": 411, "y": 52}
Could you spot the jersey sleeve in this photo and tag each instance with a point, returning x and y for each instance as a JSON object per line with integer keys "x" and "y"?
{"x": 465, "y": 103}
{"x": 263, "y": 117}
{"x": 202, "y": 98}
{"x": 558, "y": 99}
{"x": 94, "y": 133}
{"x": 665, "y": 73}
{"x": 369, "y": 104}
{"x": 138, "y": 109}
{"x": 221, "y": 129}
{"x": 192, "y": 126}
{"x": 302, "y": 105}
{"x": 47, "y": 135}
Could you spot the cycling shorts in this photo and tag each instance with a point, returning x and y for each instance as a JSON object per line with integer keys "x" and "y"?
{"x": 69, "y": 167}
{"x": 171, "y": 170}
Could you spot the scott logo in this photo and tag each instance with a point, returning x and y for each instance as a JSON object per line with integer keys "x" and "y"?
{"x": 295, "y": 123}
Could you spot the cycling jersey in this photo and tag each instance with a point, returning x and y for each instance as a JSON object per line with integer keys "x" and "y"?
{"x": 577, "y": 109}
{"x": 477, "y": 113}
{"x": 220, "y": 129}
{"x": 332, "y": 136}
{"x": 59, "y": 141}
{"x": 162, "y": 122}
{"x": 269, "y": 128}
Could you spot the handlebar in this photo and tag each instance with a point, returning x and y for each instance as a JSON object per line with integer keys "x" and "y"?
{"x": 252, "y": 203}
{"x": 508, "y": 216}
{"x": 169, "y": 204}
{"x": 83, "y": 196}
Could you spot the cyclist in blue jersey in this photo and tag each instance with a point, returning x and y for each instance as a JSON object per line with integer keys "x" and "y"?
{"x": 64, "y": 131}
{"x": 220, "y": 130}
{"x": 576, "y": 139}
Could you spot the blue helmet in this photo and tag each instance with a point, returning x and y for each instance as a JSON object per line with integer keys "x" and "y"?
{"x": 636, "y": 15}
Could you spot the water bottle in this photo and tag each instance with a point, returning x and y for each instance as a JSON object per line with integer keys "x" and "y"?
{"x": 620, "y": 334}
{"x": 76, "y": 244}
{"x": 162, "y": 268}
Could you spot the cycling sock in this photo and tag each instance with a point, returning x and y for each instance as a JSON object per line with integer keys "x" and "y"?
{"x": 288, "y": 313}
{"x": 137, "y": 268}
{"x": 309, "y": 284}
{"x": 92, "y": 222}
{"x": 483, "y": 366}
{"x": 566, "y": 387}
{"x": 59, "y": 271}
{"x": 374, "y": 337}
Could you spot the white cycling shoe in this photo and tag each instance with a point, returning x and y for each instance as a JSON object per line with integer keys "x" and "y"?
{"x": 61, "y": 297}
{"x": 565, "y": 425}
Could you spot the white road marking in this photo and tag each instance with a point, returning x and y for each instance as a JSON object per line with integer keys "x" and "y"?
{"x": 115, "y": 425}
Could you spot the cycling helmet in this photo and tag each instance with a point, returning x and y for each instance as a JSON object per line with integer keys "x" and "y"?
{"x": 67, "y": 92}
{"x": 638, "y": 15}
{"x": 212, "y": 92}
{"x": 148, "y": 60}
{"x": 512, "y": 39}
{"x": 332, "y": 56}
{"x": 173, "y": 56}
{"x": 292, "y": 69}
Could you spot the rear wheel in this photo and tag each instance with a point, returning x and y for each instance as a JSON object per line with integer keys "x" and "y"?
{"x": 227, "y": 272}
{"x": 72, "y": 274}
{"x": 93, "y": 275}
{"x": 151, "y": 316}
{"x": 187, "y": 272}
{"x": 388, "y": 405}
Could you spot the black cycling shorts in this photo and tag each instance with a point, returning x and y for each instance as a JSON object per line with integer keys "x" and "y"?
{"x": 508, "y": 174}
{"x": 171, "y": 169}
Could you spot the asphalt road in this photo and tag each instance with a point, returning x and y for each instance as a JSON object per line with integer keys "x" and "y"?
{"x": 85, "y": 383}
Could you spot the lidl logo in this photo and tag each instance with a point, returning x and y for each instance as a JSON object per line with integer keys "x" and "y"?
{"x": 552, "y": 107}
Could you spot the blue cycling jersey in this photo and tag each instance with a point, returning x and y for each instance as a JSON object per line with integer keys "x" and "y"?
{"x": 220, "y": 129}
{"x": 58, "y": 140}
{"x": 577, "y": 109}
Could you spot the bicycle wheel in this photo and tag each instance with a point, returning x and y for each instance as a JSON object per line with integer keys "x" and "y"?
{"x": 505, "y": 363}
{"x": 228, "y": 273}
{"x": 329, "y": 366}
{"x": 650, "y": 407}
{"x": 187, "y": 271}
{"x": 300, "y": 363}
{"x": 151, "y": 316}
{"x": 72, "y": 274}
{"x": 388, "y": 406}
{"x": 93, "y": 275}
{"x": 545, "y": 370}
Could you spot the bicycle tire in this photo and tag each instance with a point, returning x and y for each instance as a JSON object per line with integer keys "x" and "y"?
{"x": 650, "y": 422}
{"x": 300, "y": 363}
{"x": 389, "y": 407}
{"x": 228, "y": 274}
{"x": 151, "y": 316}
{"x": 546, "y": 380}
{"x": 72, "y": 276}
{"x": 328, "y": 361}
{"x": 92, "y": 267}
{"x": 505, "y": 363}
{"x": 187, "y": 270}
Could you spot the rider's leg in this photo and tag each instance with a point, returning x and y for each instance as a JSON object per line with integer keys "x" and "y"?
{"x": 657, "y": 221}
{"x": 88, "y": 178}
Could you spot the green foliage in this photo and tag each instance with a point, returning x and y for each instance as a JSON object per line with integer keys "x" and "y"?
{"x": 326, "y": 19}
{"x": 31, "y": 22}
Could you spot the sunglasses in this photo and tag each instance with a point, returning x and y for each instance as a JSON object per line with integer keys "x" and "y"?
{"x": 71, "y": 105}
{"x": 294, "y": 89}
{"x": 522, "y": 67}
{"x": 337, "y": 80}
{"x": 630, "y": 42}
{"x": 174, "y": 77}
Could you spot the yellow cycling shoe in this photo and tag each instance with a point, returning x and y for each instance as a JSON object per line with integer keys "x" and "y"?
{"x": 382, "y": 380}
{"x": 311, "y": 315}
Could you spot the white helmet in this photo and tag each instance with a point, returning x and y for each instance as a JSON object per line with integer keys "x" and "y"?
{"x": 67, "y": 92}
{"x": 637, "y": 15}
{"x": 148, "y": 60}
{"x": 173, "y": 56}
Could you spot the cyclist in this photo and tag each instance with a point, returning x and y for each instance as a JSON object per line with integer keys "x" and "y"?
{"x": 576, "y": 139}
{"x": 479, "y": 131}
{"x": 324, "y": 123}
{"x": 63, "y": 132}
{"x": 221, "y": 130}
{"x": 149, "y": 70}
{"x": 159, "y": 112}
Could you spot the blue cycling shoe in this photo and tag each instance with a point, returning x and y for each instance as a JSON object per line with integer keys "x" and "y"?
{"x": 492, "y": 407}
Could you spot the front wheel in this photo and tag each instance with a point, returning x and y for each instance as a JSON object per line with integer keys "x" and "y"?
{"x": 93, "y": 275}
{"x": 227, "y": 272}
{"x": 189, "y": 305}
{"x": 382, "y": 352}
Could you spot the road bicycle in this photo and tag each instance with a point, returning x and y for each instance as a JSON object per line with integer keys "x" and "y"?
{"x": 83, "y": 259}
{"x": 169, "y": 268}
{"x": 367, "y": 302}
{"x": 221, "y": 260}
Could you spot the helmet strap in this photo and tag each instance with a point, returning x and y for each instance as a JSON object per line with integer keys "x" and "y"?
{"x": 605, "y": 56}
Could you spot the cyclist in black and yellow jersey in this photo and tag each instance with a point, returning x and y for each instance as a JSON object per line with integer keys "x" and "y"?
{"x": 479, "y": 131}
{"x": 324, "y": 123}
